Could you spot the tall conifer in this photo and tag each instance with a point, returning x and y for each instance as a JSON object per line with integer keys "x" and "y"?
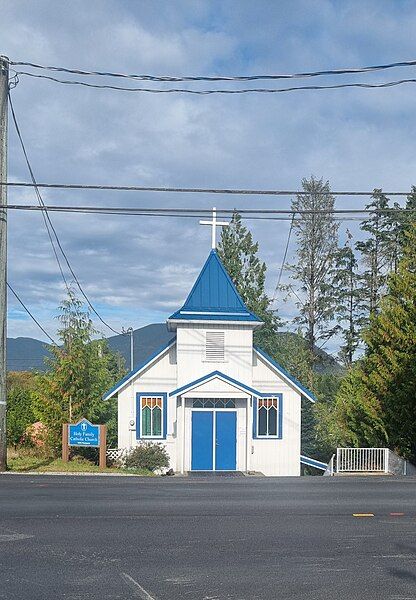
{"x": 238, "y": 253}
{"x": 317, "y": 245}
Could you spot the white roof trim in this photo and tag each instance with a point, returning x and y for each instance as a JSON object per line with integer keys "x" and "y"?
{"x": 214, "y": 322}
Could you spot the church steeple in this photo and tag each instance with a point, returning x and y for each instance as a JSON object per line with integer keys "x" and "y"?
{"x": 214, "y": 297}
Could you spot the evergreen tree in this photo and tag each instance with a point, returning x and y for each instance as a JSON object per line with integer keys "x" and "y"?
{"x": 409, "y": 217}
{"x": 376, "y": 402}
{"x": 238, "y": 252}
{"x": 317, "y": 244}
{"x": 80, "y": 371}
{"x": 376, "y": 251}
{"x": 389, "y": 367}
{"x": 20, "y": 387}
{"x": 354, "y": 418}
{"x": 349, "y": 295}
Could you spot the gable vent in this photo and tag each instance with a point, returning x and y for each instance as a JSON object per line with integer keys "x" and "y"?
{"x": 214, "y": 346}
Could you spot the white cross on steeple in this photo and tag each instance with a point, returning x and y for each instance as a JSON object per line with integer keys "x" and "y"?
{"x": 214, "y": 224}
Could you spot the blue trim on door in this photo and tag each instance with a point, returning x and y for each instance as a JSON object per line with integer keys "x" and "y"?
{"x": 226, "y": 440}
{"x": 279, "y": 435}
{"x": 202, "y": 440}
{"x": 164, "y": 396}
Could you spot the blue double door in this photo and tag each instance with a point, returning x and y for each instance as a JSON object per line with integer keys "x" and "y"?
{"x": 214, "y": 440}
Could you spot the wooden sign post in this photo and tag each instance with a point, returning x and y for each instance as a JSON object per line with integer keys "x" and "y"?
{"x": 103, "y": 446}
{"x": 85, "y": 434}
{"x": 65, "y": 445}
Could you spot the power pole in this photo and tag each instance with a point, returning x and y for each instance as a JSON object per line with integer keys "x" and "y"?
{"x": 130, "y": 332}
{"x": 4, "y": 90}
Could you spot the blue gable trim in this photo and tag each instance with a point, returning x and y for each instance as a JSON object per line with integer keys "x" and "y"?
{"x": 139, "y": 368}
{"x": 196, "y": 382}
{"x": 303, "y": 390}
{"x": 311, "y": 462}
{"x": 214, "y": 296}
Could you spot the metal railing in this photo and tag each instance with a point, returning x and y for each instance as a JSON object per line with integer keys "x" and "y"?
{"x": 361, "y": 460}
{"x": 330, "y": 470}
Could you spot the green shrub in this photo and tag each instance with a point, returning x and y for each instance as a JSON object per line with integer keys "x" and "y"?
{"x": 149, "y": 456}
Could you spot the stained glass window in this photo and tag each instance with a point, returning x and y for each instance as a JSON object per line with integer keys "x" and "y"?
{"x": 152, "y": 408}
{"x": 267, "y": 417}
{"x": 213, "y": 403}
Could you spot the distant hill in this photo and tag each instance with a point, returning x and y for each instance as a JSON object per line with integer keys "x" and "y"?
{"x": 146, "y": 341}
{"x": 25, "y": 354}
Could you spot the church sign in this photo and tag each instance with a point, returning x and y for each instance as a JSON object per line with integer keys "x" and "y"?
{"x": 84, "y": 434}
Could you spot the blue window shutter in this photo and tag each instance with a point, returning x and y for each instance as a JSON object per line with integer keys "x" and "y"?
{"x": 165, "y": 415}
{"x": 138, "y": 416}
{"x": 254, "y": 418}
{"x": 280, "y": 433}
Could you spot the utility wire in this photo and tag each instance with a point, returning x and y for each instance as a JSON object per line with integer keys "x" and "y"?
{"x": 284, "y": 259}
{"x": 47, "y": 221}
{"x": 169, "y": 78}
{"x": 30, "y": 314}
{"x": 386, "y": 84}
{"x": 197, "y": 213}
{"x": 184, "y": 190}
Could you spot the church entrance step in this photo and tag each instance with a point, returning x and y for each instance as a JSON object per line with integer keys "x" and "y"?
{"x": 215, "y": 474}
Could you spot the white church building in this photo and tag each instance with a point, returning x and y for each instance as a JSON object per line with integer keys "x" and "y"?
{"x": 212, "y": 398}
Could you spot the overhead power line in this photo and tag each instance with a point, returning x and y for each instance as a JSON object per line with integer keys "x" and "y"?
{"x": 282, "y": 266}
{"x": 208, "y": 92}
{"x": 30, "y": 314}
{"x": 192, "y": 78}
{"x": 49, "y": 226}
{"x": 198, "y": 212}
{"x": 193, "y": 190}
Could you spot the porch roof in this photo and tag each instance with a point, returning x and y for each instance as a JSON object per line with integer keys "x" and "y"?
{"x": 213, "y": 375}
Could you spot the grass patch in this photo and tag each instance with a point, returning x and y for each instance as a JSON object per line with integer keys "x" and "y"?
{"x": 25, "y": 460}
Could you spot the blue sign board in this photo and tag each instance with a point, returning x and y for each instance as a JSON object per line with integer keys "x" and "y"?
{"x": 83, "y": 433}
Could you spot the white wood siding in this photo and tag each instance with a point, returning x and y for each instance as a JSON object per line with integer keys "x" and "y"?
{"x": 159, "y": 377}
{"x": 277, "y": 457}
{"x": 184, "y": 363}
{"x": 192, "y": 362}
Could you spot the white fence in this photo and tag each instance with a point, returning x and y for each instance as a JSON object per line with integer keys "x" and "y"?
{"x": 361, "y": 460}
{"x": 117, "y": 455}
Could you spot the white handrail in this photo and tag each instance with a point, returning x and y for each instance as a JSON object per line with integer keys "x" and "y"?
{"x": 361, "y": 460}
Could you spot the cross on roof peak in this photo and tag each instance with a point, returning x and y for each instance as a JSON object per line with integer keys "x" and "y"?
{"x": 214, "y": 223}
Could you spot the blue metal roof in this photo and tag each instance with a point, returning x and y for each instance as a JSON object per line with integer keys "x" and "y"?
{"x": 214, "y": 296}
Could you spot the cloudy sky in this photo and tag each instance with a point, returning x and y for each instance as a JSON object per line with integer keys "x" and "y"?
{"x": 139, "y": 270}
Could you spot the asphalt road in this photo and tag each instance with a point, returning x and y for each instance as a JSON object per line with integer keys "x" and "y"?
{"x": 90, "y": 538}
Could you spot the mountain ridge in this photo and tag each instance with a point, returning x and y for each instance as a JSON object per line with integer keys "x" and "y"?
{"x": 27, "y": 354}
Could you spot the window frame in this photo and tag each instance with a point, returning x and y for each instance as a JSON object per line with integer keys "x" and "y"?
{"x": 139, "y": 415}
{"x": 279, "y": 417}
